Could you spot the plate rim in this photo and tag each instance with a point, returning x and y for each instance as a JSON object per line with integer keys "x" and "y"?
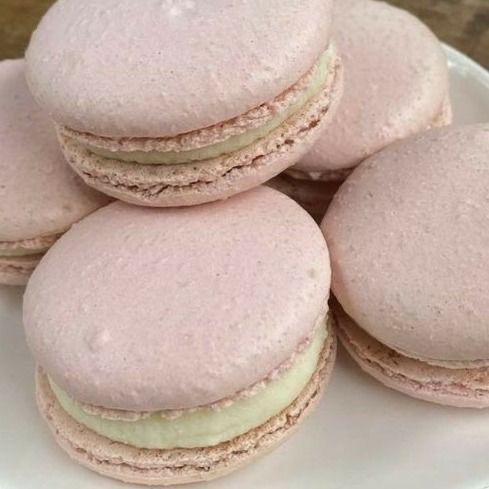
{"x": 461, "y": 62}
{"x": 453, "y": 54}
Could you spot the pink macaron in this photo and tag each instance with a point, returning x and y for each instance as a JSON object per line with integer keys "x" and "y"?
{"x": 40, "y": 197}
{"x": 175, "y": 345}
{"x": 164, "y": 103}
{"x": 408, "y": 234}
{"x": 396, "y": 84}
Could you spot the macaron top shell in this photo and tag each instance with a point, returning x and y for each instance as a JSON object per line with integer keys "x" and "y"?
{"x": 408, "y": 234}
{"x": 157, "y": 68}
{"x": 147, "y": 309}
{"x": 39, "y": 193}
{"x": 396, "y": 82}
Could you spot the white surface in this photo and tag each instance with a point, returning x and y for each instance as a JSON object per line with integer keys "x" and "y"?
{"x": 362, "y": 435}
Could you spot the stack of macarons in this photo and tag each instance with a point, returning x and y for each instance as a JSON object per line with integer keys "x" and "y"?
{"x": 184, "y": 330}
{"x": 396, "y": 85}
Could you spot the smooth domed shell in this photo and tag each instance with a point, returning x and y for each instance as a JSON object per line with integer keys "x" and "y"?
{"x": 39, "y": 193}
{"x": 157, "y": 68}
{"x": 396, "y": 83}
{"x": 148, "y": 309}
{"x": 408, "y": 235}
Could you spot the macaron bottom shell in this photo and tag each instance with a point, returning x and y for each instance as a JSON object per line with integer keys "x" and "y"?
{"x": 181, "y": 465}
{"x": 16, "y": 270}
{"x": 164, "y": 185}
{"x": 456, "y": 387}
{"x": 18, "y": 259}
{"x": 28, "y": 247}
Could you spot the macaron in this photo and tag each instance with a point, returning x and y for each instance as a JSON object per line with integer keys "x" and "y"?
{"x": 40, "y": 197}
{"x": 191, "y": 103}
{"x": 313, "y": 195}
{"x": 176, "y": 345}
{"x": 408, "y": 234}
{"x": 396, "y": 85}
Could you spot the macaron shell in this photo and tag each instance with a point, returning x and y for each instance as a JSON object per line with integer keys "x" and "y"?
{"x": 441, "y": 119}
{"x": 218, "y": 178}
{"x": 17, "y": 270}
{"x": 460, "y": 387}
{"x": 396, "y": 83}
{"x": 39, "y": 194}
{"x": 16, "y": 248}
{"x": 170, "y": 467}
{"x": 408, "y": 233}
{"x": 219, "y": 295}
{"x": 157, "y": 68}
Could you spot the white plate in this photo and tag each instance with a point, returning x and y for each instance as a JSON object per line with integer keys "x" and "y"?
{"x": 362, "y": 436}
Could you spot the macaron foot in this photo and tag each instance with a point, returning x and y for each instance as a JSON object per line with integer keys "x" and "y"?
{"x": 180, "y": 466}
{"x": 457, "y": 387}
{"x": 16, "y": 270}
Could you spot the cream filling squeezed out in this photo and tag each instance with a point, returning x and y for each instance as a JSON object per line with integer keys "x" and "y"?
{"x": 234, "y": 143}
{"x": 204, "y": 426}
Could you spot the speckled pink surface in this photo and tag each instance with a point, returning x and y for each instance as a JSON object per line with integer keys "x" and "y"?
{"x": 157, "y": 68}
{"x": 408, "y": 234}
{"x": 149, "y": 309}
{"x": 39, "y": 193}
{"x": 396, "y": 82}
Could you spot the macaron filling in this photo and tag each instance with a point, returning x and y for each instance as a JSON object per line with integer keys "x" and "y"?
{"x": 321, "y": 76}
{"x": 205, "y": 426}
{"x": 457, "y": 385}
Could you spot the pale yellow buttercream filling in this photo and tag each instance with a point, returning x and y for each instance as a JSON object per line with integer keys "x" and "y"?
{"x": 234, "y": 143}
{"x": 206, "y": 426}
